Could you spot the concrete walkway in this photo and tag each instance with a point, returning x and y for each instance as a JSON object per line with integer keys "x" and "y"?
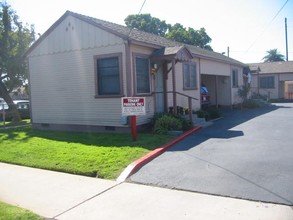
{"x": 61, "y": 196}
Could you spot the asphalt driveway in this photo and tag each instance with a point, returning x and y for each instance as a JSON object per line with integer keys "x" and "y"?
{"x": 247, "y": 154}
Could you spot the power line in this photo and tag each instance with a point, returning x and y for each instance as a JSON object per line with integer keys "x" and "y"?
{"x": 139, "y": 13}
{"x": 143, "y": 5}
{"x": 279, "y": 11}
{"x": 267, "y": 26}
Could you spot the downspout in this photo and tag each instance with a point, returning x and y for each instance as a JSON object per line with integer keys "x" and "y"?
{"x": 129, "y": 90}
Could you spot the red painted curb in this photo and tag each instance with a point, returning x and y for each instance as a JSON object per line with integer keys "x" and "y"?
{"x": 134, "y": 166}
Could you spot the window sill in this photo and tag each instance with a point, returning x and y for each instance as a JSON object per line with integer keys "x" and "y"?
{"x": 195, "y": 88}
{"x": 107, "y": 96}
{"x": 143, "y": 94}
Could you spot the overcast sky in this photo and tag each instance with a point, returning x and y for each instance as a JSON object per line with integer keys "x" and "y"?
{"x": 248, "y": 27}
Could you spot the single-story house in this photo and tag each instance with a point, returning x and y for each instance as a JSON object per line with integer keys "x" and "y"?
{"x": 81, "y": 67}
{"x": 272, "y": 79}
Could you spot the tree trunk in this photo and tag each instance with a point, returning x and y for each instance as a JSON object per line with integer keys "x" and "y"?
{"x": 12, "y": 107}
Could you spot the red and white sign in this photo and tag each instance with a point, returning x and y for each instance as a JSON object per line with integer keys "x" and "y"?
{"x": 133, "y": 106}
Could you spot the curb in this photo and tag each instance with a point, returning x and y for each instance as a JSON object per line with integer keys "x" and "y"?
{"x": 134, "y": 166}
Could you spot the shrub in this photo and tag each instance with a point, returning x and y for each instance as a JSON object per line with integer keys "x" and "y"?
{"x": 243, "y": 92}
{"x": 213, "y": 113}
{"x": 251, "y": 103}
{"x": 156, "y": 117}
{"x": 167, "y": 123}
{"x": 201, "y": 113}
{"x": 209, "y": 112}
{"x": 186, "y": 124}
{"x": 259, "y": 96}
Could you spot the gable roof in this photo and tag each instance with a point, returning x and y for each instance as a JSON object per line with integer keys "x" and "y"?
{"x": 139, "y": 37}
{"x": 178, "y": 52}
{"x": 272, "y": 67}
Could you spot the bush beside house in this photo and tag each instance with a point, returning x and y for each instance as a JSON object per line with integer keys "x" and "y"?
{"x": 162, "y": 123}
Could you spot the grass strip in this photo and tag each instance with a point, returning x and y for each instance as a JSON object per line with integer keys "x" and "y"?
{"x": 89, "y": 154}
{"x": 9, "y": 212}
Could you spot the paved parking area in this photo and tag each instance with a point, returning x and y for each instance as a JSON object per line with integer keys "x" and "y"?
{"x": 247, "y": 154}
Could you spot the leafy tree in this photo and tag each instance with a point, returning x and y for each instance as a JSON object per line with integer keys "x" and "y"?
{"x": 147, "y": 23}
{"x": 189, "y": 36}
{"x": 178, "y": 33}
{"x": 15, "y": 39}
{"x": 273, "y": 56}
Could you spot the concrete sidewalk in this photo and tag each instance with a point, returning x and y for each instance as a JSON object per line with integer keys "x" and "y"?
{"x": 64, "y": 196}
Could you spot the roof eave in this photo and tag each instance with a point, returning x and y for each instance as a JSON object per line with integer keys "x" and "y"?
{"x": 237, "y": 63}
{"x": 124, "y": 37}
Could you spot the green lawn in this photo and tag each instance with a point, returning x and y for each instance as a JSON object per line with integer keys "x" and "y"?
{"x": 9, "y": 212}
{"x": 90, "y": 154}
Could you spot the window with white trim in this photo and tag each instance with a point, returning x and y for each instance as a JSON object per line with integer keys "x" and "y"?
{"x": 189, "y": 76}
{"x": 142, "y": 70}
{"x": 108, "y": 76}
{"x": 267, "y": 82}
{"x": 235, "y": 78}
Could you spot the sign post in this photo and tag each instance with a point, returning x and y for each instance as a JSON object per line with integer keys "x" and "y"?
{"x": 133, "y": 128}
{"x": 133, "y": 106}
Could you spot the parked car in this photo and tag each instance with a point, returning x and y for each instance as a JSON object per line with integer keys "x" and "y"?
{"x": 204, "y": 95}
{"x": 23, "y": 107}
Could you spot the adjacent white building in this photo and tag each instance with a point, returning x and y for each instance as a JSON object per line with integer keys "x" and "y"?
{"x": 273, "y": 79}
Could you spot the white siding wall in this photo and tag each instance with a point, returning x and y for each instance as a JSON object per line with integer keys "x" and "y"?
{"x": 254, "y": 84}
{"x": 286, "y": 77}
{"x": 62, "y": 76}
{"x": 64, "y": 93}
{"x": 224, "y": 90}
{"x": 235, "y": 97}
{"x": 214, "y": 68}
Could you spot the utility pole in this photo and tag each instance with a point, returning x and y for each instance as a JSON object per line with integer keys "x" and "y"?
{"x": 228, "y": 51}
{"x": 286, "y": 39}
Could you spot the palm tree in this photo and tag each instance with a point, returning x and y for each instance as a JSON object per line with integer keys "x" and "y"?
{"x": 273, "y": 56}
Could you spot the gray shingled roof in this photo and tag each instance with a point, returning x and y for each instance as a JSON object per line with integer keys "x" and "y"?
{"x": 126, "y": 32}
{"x": 141, "y": 37}
{"x": 272, "y": 67}
{"x": 153, "y": 39}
